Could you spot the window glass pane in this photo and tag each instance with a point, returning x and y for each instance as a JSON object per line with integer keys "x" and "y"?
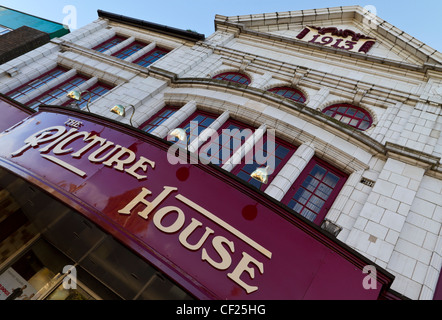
{"x": 354, "y": 122}
{"x": 364, "y": 125}
{"x": 345, "y": 119}
{"x": 308, "y": 214}
{"x": 318, "y": 172}
{"x": 310, "y": 183}
{"x": 302, "y": 196}
{"x": 324, "y": 191}
{"x": 351, "y": 111}
{"x": 359, "y": 115}
{"x": 331, "y": 179}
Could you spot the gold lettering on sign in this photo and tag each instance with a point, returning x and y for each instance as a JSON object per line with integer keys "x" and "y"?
{"x": 57, "y": 139}
{"x": 224, "y": 248}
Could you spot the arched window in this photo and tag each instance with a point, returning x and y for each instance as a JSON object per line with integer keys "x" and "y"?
{"x": 351, "y": 115}
{"x": 289, "y": 93}
{"x": 233, "y": 77}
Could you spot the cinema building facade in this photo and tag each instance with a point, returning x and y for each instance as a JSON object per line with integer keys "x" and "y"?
{"x": 343, "y": 107}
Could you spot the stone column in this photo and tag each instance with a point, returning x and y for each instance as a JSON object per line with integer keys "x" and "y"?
{"x": 141, "y": 52}
{"x": 196, "y": 143}
{"x": 290, "y": 172}
{"x": 119, "y": 46}
{"x": 175, "y": 120}
{"x": 245, "y": 148}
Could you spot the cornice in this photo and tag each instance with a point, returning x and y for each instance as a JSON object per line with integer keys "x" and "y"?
{"x": 243, "y": 30}
{"x": 414, "y": 157}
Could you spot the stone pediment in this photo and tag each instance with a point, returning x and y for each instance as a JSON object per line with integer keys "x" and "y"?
{"x": 341, "y": 29}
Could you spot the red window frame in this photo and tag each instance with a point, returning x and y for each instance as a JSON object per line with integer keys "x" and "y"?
{"x": 129, "y": 50}
{"x": 229, "y": 124}
{"x": 158, "y": 118}
{"x": 354, "y": 116}
{"x": 290, "y": 93}
{"x": 96, "y": 91}
{"x": 152, "y": 56}
{"x": 58, "y": 91}
{"x": 36, "y": 83}
{"x": 233, "y": 77}
{"x": 244, "y": 170}
{"x": 310, "y": 188}
{"x": 106, "y": 45}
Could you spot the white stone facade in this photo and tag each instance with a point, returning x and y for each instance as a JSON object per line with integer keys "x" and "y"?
{"x": 395, "y": 219}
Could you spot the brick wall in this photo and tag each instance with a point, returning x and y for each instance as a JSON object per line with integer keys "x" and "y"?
{"x": 20, "y": 41}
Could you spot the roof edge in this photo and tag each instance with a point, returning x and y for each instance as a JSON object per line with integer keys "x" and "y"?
{"x": 180, "y": 33}
{"x": 407, "y": 42}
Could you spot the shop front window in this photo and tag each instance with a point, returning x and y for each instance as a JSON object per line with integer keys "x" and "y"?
{"x": 68, "y": 257}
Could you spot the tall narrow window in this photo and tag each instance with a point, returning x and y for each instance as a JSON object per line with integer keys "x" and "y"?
{"x": 289, "y": 93}
{"x": 233, "y": 77}
{"x": 276, "y": 157}
{"x": 58, "y": 92}
{"x": 36, "y": 83}
{"x": 229, "y": 138}
{"x": 314, "y": 192}
{"x": 95, "y": 91}
{"x": 153, "y": 123}
{"x": 351, "y": 115}
{"x": 112, "y": 42}
{"x": 129, "y": 50}
{"x": 152, "y": 56}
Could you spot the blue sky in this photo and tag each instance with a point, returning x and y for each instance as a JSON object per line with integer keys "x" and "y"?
{"x": 421, "y": 19}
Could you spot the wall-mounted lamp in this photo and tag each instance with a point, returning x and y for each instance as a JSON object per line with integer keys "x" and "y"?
{"x": 331, "y": 227}
{"x": 179, "y": 133}
{"x": 121, "y": 111}
{"x": 261, "y": 174}
{"x": 78, "y": 95}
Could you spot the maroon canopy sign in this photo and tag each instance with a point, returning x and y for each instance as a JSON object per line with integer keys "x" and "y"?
{"x": 214, "y": 235}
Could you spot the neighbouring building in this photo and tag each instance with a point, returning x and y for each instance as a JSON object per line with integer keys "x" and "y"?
{"x": 21, "y": 32}
{"x": 308, "y": 165}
